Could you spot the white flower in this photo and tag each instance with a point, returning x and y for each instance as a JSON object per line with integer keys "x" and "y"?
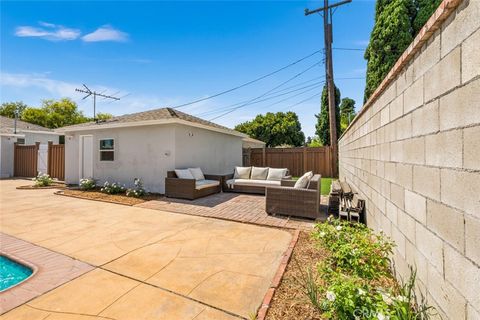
{"x": 339, "y": 228}
{"x": 402, "y": 299}
{"x": 331, "y": 296}
{"x": 381, "y": 316}
{"x": 322, "y": 234}
{"x": 361, "y": 291}
{"x": 387, "y": 298}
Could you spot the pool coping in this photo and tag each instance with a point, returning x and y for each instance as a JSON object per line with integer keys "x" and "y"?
{"x": 51, "y": 270}
{"x": 21, "y": 262}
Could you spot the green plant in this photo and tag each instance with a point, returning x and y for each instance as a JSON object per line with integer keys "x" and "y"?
{"x": 112, "y": 188}
{"x": 87, "y": 184}
{"x": 137, "y": 191}
{"x": 42, "y": 180}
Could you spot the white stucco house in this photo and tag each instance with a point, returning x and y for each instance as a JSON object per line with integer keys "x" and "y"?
{"x": 21, "y": 132}
{"x": 146, "y": 145}
{"x": 253, "y": 143}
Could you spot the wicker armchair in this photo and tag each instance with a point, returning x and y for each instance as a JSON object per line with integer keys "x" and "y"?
{"x": 185, "y": 188}
{"x": 286, "y": 200}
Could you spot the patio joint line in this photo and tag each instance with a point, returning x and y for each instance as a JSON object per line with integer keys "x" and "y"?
{"x": 177, "y": 294}
{"x": 125, "y": 293}
{"x": 66, "y": 312}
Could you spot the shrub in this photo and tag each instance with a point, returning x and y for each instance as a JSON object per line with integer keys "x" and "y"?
{"x": 137, "y": 191}
{"x": 87, "y": 184}
{"x": 112, "y": 188}
{"x": 42, "y": 180}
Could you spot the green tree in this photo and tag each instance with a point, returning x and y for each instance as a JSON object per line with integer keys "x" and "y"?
{"x": 391, "y": 35}
{"x": 424, "y": 10}
{"x": 103, "y": 116}
{"x": 322, "y": 128}
{"x": 313, "y": 142}
{"x": 347, "y": 112}
{"x": 275, "y": 129}
{"x": 8, "y": 109}
{"x": 55, "y": 114}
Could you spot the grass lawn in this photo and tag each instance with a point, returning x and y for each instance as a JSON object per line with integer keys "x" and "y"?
{"x": 325, "y": 188}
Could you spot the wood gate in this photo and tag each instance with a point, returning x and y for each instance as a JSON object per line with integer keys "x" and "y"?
{"x": 56, "y": 161}
{"x": 25, "y": 160}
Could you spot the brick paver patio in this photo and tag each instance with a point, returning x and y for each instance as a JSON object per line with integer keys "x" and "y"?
{"x": 233, "y": 206}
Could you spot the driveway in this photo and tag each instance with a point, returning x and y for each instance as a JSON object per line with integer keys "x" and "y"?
{"x": 149, "y": 264}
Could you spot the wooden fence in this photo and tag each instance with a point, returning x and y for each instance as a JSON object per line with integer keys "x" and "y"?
{"x": 56, "y": 161}
{"x": 297, "y": 160}
{"x": 25, "y": 160}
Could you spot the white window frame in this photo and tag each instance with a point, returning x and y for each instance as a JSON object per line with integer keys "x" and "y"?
{"x": 108, "y": 150}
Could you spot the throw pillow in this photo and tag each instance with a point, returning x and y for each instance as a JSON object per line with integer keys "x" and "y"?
{"x": 259, "y": 173}
{"x": 184, "y": 174}
{"x": 242, "y": 173}
{"x": 197, "y": 173}
{"x": 303, "y": 181}
{"x": 276, "y": 174}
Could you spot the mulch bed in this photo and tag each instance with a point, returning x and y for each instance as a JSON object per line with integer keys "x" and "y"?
{"x": 289, "y": 301}
{"x": 112, "y": 198}
{"x": 55, "y": 185}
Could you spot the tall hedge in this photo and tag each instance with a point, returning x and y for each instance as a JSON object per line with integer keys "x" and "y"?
{"x": 322, "y": 128}
{"x": 425, "y": 9}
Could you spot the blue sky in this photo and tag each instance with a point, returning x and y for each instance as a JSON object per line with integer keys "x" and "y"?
{"x": 156, "y": 54}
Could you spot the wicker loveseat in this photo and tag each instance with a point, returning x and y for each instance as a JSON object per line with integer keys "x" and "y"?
{"x": 252, "y": 184}
{"x": 290, "y": 201}
{"x": 190, "y": 188}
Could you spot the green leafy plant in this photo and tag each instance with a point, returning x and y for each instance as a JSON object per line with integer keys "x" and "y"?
{"x": 87, "y": 184}
{"x": 137, "y": 191}
{"x": 42, "y": 180}
{"x": 112, "y": 188}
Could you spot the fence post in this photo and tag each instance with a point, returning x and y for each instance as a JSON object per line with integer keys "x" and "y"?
{"x": 304, "y": 159}
{"x": 15, "y": 158}
{"x": 35, "y": 162}
{"x": 264, "y": 156}
{"x": 49, "y": 158}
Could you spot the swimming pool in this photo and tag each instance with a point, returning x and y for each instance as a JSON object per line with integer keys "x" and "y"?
{"x": 12, "y": 272}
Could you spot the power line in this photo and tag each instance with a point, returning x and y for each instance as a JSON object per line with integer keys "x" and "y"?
{"x": 247, "y": 83}
{"x": 300, "y": 102}
{"x": 262, "y": 95}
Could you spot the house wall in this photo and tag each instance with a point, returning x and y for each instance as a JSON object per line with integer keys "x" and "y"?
{"x": 214, "y": 153}
{"x": 6, "y": 156}
{"x": 43, "y": 138}
{"x": 145, "y": 152}
{"x": 414, "y": 155}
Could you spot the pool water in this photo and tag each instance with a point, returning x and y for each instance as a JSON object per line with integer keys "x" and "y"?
{"x": 12, "y": 272}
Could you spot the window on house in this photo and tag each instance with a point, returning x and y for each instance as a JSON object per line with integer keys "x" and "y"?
{"x": 107, "y": 149}
{"x": 20, "y": 141}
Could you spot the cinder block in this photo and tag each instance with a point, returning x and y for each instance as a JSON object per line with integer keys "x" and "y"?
{"x": 406, "y": 224}
{"x": 429, "y": 56}
{"x": 399, "y": 240}
{"x": 460, "y": 25}
{"x": 426, "y": 181}
{"x": 417, "y": 260}
{"x": 444, "y": 76}
{"x": 430, "y": 246}
{"x": 401, "y": 83}
{"x": 463, "y": 274}
{"x": 390, "y": 132}
{"x": 416, "y": 206}
{"x": 413, "y": 96}
{"x": 472, "y": 314}
{"x": 471, "y": 147}
{"x": 404, "y": 174}
{"x": 403, "y": 127}
{"x": 414, "y": 150}
{"x": 460, "y": 107}
{"x": 385, "y": 115}
{"x": 397, "y": 195}
{"x": 390, "y": 171}
{"x": 472, "y": 238}
{"x": 449, "y": 298}
{"x": 426, "y": 119}
{"x": 444, "y": 149}
{"x": 447, "y": 223}
{"x": 471, "y": 57}
{"x": 396, "y": 107}
{"x": 459, "y": 189}
{"x": 391, "y": 211}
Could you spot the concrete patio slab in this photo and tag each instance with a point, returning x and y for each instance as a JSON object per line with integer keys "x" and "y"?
{"x": 149, "y": 262}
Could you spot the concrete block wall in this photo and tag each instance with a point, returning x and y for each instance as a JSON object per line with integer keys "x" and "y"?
{"x": 413, "y": 154}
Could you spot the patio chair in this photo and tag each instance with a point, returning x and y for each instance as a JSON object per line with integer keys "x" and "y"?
{"x": 191, "y": 189}
{"x": 290, "y": 201}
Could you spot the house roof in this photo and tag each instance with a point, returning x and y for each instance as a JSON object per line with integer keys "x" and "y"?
{"x": 7, "y": 126}
{"x": 252, "y": 140}
{"x": 151, "y": 117}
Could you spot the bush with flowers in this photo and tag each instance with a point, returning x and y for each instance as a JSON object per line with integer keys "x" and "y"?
{"x": 87, "y": 184}
{"x": 42, "y": 180}
{"x": 137, "y": 191}
{"x": 112, "y": 188}
{"x": 356, "y": 280}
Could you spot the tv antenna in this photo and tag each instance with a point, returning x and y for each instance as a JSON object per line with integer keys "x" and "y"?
{"x": 89, "y": 92}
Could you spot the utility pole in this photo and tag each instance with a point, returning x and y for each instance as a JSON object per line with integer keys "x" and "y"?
{"x": 326, "y": 10}
{"x": 89, "y": 92}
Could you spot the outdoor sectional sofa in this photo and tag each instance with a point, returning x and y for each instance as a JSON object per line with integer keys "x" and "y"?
{"x": 295, "y": 202}
{"x": 191, "y": 188}
{"x": 254, "y": 181}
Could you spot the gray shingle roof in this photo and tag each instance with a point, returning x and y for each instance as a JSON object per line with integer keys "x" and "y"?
{"x": 155, "y": 114}
{"x": 7, "y": 126}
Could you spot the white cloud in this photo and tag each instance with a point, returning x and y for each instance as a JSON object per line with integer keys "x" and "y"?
{"x": 106, "y": 33}
{"x": 48, "y": 31}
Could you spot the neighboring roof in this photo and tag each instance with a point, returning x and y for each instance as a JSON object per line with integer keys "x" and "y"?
{"x": 251, "y": 140}
{"x": 7, "y": 125}
{"x": 156, "y": 116}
